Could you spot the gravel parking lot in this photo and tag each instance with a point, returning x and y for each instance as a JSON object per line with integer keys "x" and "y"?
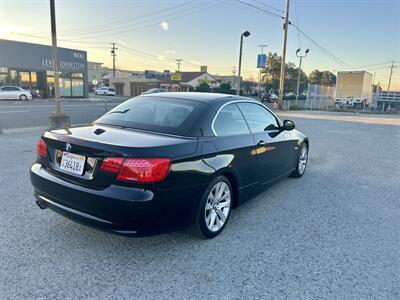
{"x": 334, "y": 233}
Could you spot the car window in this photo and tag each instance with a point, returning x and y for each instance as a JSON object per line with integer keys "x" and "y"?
{"x": 10, "y": 88}
{"x": 230, "y": 121}
{"x": 111, "y": 90}
{"x": 174, "y": 116}
{"x": 258, "y": 117}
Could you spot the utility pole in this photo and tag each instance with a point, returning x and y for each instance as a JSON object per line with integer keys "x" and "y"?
{"x": 298, "y": 74}
{"x": 178, "y": 63}
{"x": 390, "y": 76}
{"x": 113, "y": 54}
{"x": 234, "y": 77}
{"x": 259, "y": 76}
{"x": 244, "y": 34}
{"x": 282, "y": 77}
{"x": 56, "y": 119}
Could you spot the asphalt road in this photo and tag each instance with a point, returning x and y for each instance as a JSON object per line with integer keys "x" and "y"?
{"x": 17, "y": 114}
{"x": 332, "y": 234}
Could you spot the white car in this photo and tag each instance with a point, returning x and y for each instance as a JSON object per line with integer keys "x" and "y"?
{"x": 15, "y": 92}
{"x": 105, "y": 90}
{"x": 153, "y": 91}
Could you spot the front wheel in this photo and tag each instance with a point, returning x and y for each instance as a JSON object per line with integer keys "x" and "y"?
{"x": 23, "y": 98}
{"x": 301, "y": 161}
{"x": 214, "y": 208}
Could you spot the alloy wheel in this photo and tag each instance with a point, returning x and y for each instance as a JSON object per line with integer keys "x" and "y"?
{"x": 218, "y": 205}
{"x": 303, "y": 159}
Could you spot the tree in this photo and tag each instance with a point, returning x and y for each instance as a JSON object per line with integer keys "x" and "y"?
{"x": 247, "y": 85}
{"x": 272, "y": 71}
{"x": 322, "y": 78}
{"x": 225, "y": 88}
{"x": 328, "y": 78}
{"x": 203, "y": 87}
{"x": 315, "y": 77}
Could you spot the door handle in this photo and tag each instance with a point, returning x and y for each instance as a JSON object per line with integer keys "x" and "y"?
{"x": 261, "y": 143}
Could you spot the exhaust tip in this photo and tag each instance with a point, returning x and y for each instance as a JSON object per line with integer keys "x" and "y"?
{"x": 41, "y": 206}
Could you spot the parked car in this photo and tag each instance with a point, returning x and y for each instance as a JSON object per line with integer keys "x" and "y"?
{"x": 166, "y": 158}
{"x": 105, "y": 90}
{"x": 154, "y": 91}
{"x": 15, "y": 92}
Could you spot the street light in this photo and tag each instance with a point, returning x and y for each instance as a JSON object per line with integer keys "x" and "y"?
{"x": 298, "y": 75}
{"x": 244, "y": 34}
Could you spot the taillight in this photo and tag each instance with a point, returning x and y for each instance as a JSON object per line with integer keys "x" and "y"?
{"x": 145, "y": 170}
{"x": 41, "y": 148}
{"x": 111, "y": 164}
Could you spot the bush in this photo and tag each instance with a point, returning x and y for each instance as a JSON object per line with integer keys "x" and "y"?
{"x": 296, "y": 107}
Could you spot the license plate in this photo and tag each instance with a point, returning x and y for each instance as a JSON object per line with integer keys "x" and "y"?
{"x": 73, "y": 163}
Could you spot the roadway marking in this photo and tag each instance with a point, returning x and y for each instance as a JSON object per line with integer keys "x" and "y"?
{"x": 14, "y": 111}
{"x": 356, "y": 119}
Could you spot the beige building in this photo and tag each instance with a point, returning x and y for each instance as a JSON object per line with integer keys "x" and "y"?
{"x": 131, "y": 86}
{"x": 95, "y": 74}
{"x": 232, "y": 80}
{"x": 187, "y": 81}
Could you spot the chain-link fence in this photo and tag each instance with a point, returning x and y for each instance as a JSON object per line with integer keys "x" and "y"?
{"x": 318, "y": 97}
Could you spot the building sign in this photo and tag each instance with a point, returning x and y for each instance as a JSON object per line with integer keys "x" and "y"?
{"x": 64, "y": 65}
{"x": 203, "y": 69}
{"x": 261, "y": 61}
{"x": 177, "y": 76}
{"x": 30, "y": 56}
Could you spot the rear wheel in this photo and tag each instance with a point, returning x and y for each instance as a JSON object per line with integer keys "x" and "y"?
{"x": 301, "y": 161}
{"x": 214, "y": 208}
{"x": 23, "y": 97}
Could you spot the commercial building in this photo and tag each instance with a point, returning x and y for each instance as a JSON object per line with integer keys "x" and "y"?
{"x": 232, "y": 80}
{"x": 30, "y": 66}
{"x": 132, "y": 86}
{"x": 187, "y": 81}
{"x": 95, "y": 74}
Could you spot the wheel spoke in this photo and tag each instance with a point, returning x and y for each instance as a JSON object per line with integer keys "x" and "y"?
{"x": 208, "y": 206}
{"x": 221, "y": 190}
{"x": 212, "y": 220}
{"x": 221, "y": 215}
{"x": 224, "y": 204}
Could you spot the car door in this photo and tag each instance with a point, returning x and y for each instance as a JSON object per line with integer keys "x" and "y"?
{"x": 235, "y": 146}
{"x": 14, "y": 92}
{"x": 3, "y": 93}
{"x": 274, "y": 151}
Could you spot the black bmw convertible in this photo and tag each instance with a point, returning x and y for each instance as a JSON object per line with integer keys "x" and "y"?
{"x": 166, "y": 158}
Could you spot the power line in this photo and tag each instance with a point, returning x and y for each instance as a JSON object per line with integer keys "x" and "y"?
{"x": 122, "y": 21}
{"x": 123, "y": 29}
{"x": 328, "y": 53}
{"x": 261, "y": 9}
{"x": 297, "y": 21}
{"x": 269, "y": 6}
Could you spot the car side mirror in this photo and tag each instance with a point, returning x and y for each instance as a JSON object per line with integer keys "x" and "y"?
{"x": 288, "y": 125}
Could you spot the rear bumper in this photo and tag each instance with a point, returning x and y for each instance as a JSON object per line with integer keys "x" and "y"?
{"x": 119, "y": 209}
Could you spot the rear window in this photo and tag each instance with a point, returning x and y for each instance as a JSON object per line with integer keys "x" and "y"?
{"x": 111, "y": 90}
{"x": 164, "y": 115}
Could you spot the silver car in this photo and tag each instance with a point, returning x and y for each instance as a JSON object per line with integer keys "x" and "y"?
{"x": 15, "y": 92}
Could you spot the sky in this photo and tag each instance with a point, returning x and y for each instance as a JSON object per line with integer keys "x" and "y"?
{"x": 360, "y": 34}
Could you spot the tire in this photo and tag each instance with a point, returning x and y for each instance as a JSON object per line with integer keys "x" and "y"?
{"x": 23, "y": 97}
{"x": 213, "y": 213}
{"x": 302, "y": 161}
